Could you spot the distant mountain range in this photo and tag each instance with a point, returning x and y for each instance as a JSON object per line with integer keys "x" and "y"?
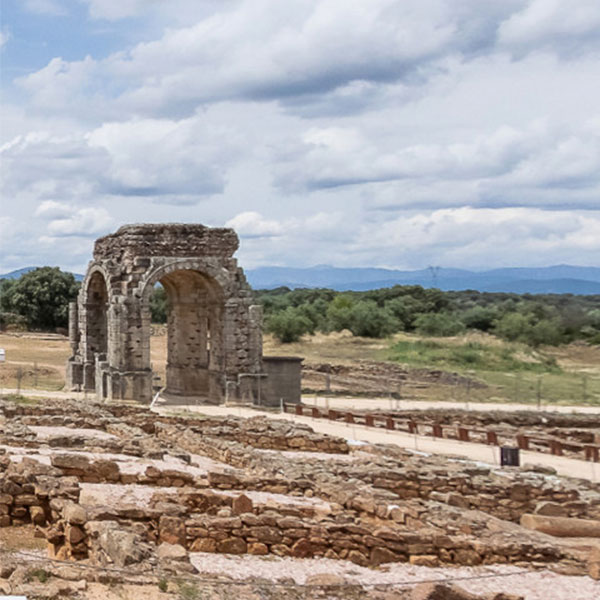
{"x": 558, "y": 279}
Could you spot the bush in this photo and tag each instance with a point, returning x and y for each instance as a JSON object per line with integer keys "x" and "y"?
{"x": 438, "y": 324}
{"x": 288, "y": 325}
{"x": 479, "y": 317}
{"x": 369, "y": 320}
{"x": 545, "y": 332}
{"x": 513, "y": 326}
{"x": 12, "y": 321}
{"x": 339, "y": 313}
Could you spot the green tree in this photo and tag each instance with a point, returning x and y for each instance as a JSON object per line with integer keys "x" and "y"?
{"x": 513, "y": 326}
{"x": 42, "y": 297}
{"x": 593, "y": 318}
{"x": 479, "y": 317}
{"x": 545, "y": 332}
{"x": 405, "y": 309}
{"x": 159, "y": 305}
{"x": 369, "y": 320}
{"x": 288, "y": 325}
{"x": 339, "y": 313}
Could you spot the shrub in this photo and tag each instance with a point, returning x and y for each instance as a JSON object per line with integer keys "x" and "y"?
{"x": 513, "y": 326}
{"x": 339, "y": 313}
{"x": 438, "y": 324}
{"x": 288, "y": 325}
{"x": 479, "y": 317}
{"x": 369, "y": 320}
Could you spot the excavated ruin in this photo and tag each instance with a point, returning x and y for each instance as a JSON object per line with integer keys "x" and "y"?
{"x": 115, "y": 486}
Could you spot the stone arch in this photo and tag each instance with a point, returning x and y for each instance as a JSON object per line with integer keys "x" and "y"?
{"x": 95, "y": 297}
{"x": 195, "y": 327}
{"x": 217, "y": 342}
{"x": 93, "y": 270}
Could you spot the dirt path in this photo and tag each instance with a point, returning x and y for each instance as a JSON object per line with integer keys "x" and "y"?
{"x": 358, "y": 433}
{"x": 391, "y": 404}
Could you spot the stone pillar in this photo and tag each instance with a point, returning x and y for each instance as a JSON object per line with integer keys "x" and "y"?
{"x": 255, "y": 324}
{"x": 73, "y": 328}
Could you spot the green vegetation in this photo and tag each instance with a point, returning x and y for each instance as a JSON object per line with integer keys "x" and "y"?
{"x": 40, "y": 574}
{"x": 534, "y": 320}
{"x": 472, "y": 355}
{"x": 158, "y": 305}
{"x": 189, "y": 591}
{"x": 40, "y": 299}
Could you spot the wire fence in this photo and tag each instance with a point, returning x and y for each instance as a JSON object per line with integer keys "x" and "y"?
{"x": 199, "y": 579}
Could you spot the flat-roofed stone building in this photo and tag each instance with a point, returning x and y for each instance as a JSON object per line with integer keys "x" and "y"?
{"x": 214, "y": 329}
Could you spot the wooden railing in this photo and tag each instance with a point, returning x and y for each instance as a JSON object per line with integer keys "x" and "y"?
{"x": 536, "y": 443}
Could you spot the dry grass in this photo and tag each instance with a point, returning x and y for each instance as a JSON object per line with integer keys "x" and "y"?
{"x": 39, "y": 358}
{"x": 577, "y": 380}
{"x": 339, "y": 347}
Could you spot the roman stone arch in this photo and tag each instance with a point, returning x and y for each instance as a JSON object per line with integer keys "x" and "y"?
{"x": 214, "y": 339}
{"x": 195, "y": 326}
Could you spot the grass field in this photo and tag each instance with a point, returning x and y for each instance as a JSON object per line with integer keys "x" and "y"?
{"x": 510, "y": 372}
{"x": 37, "y": 360}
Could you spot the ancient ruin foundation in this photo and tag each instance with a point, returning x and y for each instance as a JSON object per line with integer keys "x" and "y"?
{"x": 214, "y": 330}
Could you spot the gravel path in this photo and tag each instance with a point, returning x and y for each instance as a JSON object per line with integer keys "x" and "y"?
{"x": 534, "y": 585}
{"x": 43, "y": 433}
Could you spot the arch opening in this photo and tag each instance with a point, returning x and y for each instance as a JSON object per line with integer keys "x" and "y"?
{"x": 96, "y": 323}
{"x": 194, "y": 335}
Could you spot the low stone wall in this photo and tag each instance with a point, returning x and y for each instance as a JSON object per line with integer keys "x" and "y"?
{"x": 27, "y": 489}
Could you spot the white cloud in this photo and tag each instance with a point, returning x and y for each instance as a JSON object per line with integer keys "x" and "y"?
{"x": 169, "y": 161}
{"x": 293, "y": 49}
{"x": 61, "y": 83}
{"x": 507, "y": 159}
{"x": 254, "y": 225}
{"x": 82, "y": 222}
{"x": 481, "y": 237}
{"x": 157, "y": 157}
{"x": 50, "y": 209}
{"x": 391, "y": 132}
{"x": 553, "y": 23}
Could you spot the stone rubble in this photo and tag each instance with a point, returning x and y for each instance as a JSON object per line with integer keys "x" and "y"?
{"x": 267, "y": 489}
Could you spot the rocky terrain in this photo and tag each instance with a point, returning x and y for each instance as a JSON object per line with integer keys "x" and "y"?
{"x": 95, "y": 497}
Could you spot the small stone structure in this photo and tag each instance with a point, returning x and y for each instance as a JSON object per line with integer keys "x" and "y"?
{"x": 283, "y": 380}
{"x": 214, "y": 329}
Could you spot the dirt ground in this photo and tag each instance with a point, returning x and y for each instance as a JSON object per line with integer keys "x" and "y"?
{"x": 339, "y": 363}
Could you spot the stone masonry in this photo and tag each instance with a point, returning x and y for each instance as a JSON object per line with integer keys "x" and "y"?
{"x": 214, "y": 330}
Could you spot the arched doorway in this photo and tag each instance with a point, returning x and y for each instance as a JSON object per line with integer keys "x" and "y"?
{"x": 96, "y": 327}
{"x": 194, "y": 334}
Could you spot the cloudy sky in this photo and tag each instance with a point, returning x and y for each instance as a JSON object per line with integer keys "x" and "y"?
{"x": 395, "y": 133}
